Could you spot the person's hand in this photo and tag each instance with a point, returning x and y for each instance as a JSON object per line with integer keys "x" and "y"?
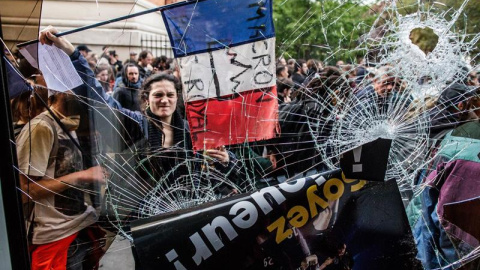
{"x": 219, "y": 153}
{"x": 273, "y": 160}
{"x": 95, "y": 174}
{"x": 326, "y": 263}
{"x": 310, "y": 260}
{"x": 47, "y": 36}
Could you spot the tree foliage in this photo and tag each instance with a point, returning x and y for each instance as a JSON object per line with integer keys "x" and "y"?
{"x": 321, "y": 29}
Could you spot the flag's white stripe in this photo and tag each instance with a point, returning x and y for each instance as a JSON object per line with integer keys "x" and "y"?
{"x": 242, "y": 68}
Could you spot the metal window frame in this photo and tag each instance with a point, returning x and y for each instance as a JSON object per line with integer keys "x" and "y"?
{"x": 16, "y": 244}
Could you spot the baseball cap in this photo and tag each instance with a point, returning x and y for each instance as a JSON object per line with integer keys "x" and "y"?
{"x": 83, "y": 48}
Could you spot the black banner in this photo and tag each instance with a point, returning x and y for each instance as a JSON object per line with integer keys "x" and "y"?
{"x": 368, "y": 161}
{"x": 321, "y": 222}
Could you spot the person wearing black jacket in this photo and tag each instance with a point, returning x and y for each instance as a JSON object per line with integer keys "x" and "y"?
{"x": 127, "y": 91}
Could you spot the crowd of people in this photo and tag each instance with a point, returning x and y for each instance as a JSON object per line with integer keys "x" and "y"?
{"x": 144, "y": 95}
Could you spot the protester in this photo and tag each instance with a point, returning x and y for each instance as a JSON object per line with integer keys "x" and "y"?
{"x": 26, "y": 106}
{"x": 291, "y": 63}
{"x": 452, "y": 109}
{"x": 104, "y": 75}
{"x": 284, "y": 90}
{"x": 166, "y": 128}
{"x": 84, "y": 50}
{"x": 282, "y": 72}
{"x": 314, "y": 66}
{"x": 116, "y": 64}
{"x": 295, "y": 149}
{"x": 475, "y": 105}
{"x": 52, "y": 178}
{"x": 160, "y": 64}
{"x": 472, "y": 79}
{"x": 384, "y": 83}
{"x": 127, "y": 91}
{"x": 160, "y": 123}
{"x": 32, "y": 101}
{"x": 133, "y": 56}
{"x": 145, "y": 59}
{"x": 361, "y": 72}
{"x": 300, "y": 73}
{"x": 450, "y": 177}
{"x": 349, "y": 73}
{"x": 52, "y": 175}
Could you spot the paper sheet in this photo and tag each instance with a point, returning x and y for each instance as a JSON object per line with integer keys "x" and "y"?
{"x": 58, "y": 71}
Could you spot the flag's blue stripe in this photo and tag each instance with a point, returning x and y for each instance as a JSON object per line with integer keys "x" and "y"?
{"x": 16, "y": 83}
{"x": 208, "y": 25}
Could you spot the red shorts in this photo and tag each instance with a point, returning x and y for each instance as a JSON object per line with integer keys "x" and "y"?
{"x": 52, "y": 256}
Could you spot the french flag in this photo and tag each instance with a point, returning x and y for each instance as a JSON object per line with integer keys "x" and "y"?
{"x": 226, "y": 53}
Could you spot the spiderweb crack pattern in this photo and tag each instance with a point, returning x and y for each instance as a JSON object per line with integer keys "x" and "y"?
{"x": 403, "y": 118}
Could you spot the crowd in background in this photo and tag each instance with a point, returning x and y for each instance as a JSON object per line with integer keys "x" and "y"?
{"x": 147, "y": 89}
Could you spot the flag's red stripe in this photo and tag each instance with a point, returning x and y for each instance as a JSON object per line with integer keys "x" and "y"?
{"x": 250, "y": 116}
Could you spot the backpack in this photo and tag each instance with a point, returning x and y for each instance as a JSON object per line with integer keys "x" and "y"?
{"x": 29, "y": 206}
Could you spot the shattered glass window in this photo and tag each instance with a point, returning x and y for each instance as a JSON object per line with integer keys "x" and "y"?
{"x": 182, "y": 112}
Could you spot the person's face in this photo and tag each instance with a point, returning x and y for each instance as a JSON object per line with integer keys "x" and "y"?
{"x": 283, "y": 62}
{"x": 284, "y": 73}
{"x": 84, "y": 53}
{"x": 163, "y": 99}
{"x": 383, "y": 85}
{"x": 147, "y": 60}
{"x": 103, "y": 76}
{"x": 475, "y": 104}
{"x": 68, "y": 104}
{"x": 288, "y": 92}
{"x": 132, "y": 74}
{"x": 472, "y": 79}
{"x": 304, "y": 68}
{"x": 133, "y": 57}
{"x": 341, "y": 251}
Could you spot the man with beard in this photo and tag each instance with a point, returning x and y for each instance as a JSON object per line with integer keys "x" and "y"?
{"x": 127, "y": 91}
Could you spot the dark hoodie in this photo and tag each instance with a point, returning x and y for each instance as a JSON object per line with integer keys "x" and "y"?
{"x": 127, "y": 93}
{"x": 446, "y": 116}
{"x": 442, "y": 121}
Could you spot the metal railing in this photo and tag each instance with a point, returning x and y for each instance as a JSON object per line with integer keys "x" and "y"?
{"x": 158, "y": 45}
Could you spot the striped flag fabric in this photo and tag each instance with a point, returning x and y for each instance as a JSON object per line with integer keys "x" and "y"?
{"x": 226, "y": 54}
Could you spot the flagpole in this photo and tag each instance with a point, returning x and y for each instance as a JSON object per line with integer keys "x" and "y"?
{"x": 126, "y": 17}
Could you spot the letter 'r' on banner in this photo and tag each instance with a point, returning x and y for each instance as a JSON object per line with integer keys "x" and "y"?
{"x": 226, "y": 53}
